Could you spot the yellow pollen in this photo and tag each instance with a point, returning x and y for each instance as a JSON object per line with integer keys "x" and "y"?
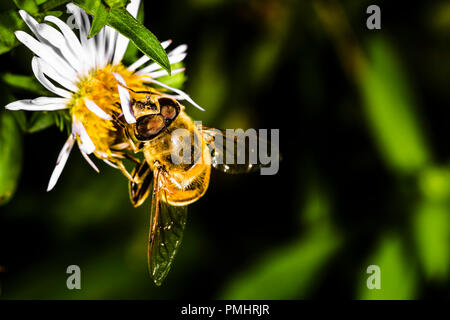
{"x": 101, "y": 87}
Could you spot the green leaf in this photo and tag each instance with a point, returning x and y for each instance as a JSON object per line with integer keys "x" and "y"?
{"x": 10, "y": 21}
{"x": 143, "y": 39}
{"x": 131, "y": 54}
{"x": 100, "y": 19}
{"x": 117, "y": 3}
{"x": 40, "y": 15}
{"x": 51, "y": 4}
{"x": 28, "y": 83}
{"x": 40, "y": 121}
{"x": 29, "y": 6}
{"x": 11, "y": 156}
{"x": 21, "y": 119}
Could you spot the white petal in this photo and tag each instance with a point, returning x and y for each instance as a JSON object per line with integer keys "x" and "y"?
{"x": 133, "y": 7}
{"x": 82, "y": 21}
{"x": 91, "y": 163}
{"x": 61, "y": 162}
{"x": 86, "y": 144}
{"x": 57, "y": 39}
{"x": 175, "y": 56}
{"x": 111, "y": 38}
{"x": 30, "y": 21}
{"x": 69, "y": 35}
{"x": 166, "y": 43}
{"x": 101, "y": 45}
{"x": 91, "y": 105}
{"x": 47, "y": 53}
{"x": 178, "y": 50}
{"x": 139, "y": 62}
{"x": 30, "y": 105}
{"x": 124, "y": 99}
{"x": 144, "y": 59}
{"x": 154, "y": 66}
{"x": 38, "y": 73}
{"x": 72, "y": 41}
{"x": 48, "y": 70}
{"x": 50, "y": 100}
{"x": 182, "y": 94}
{"x": 162, "y": 73}
{"x": 110, "y": 163}
{"x": 121, "y": 47}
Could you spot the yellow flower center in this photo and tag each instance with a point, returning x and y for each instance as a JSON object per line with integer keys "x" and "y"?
{"x": 101, "y": 87}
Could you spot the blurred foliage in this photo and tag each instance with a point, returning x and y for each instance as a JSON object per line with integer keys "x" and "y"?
{"x": 398, "y": 273}
{"x": 365, "y": 177}
{"x": 391, "y": 111}
{"x": 11, "y": 156}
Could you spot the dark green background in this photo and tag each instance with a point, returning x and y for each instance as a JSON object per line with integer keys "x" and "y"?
{"x": 365, "y": 177}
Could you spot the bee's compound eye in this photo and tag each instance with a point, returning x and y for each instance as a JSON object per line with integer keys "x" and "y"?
{"x": 168, "y": 112}
{"x": 169, "y": 108}
{"x": 148, "y": 127}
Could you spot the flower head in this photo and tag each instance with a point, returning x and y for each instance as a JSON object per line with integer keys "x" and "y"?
{"x": 89, "y": 79}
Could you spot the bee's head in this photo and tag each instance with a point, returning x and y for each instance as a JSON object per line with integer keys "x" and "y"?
{"x": 145, "y": 107}
{"x": 153, "y": 118}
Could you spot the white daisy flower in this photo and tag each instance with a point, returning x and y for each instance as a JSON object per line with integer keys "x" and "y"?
{"x": 88, "y": 77}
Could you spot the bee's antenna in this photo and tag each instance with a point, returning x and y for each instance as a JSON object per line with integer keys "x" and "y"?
{"x": 134, "y": 91}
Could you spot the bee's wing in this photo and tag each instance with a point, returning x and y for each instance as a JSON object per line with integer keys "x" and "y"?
{"x": 232, "y": 155}
{"x": 139, "y": 189}
{"x": 166, "y": 232}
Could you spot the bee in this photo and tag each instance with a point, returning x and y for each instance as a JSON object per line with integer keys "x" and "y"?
{"x": 173, "y": 184}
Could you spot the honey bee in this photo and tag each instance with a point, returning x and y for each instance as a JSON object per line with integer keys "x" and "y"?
{"x": 173, "y": 184}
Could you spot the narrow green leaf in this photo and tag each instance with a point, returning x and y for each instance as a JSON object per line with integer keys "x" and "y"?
{"x": 143, "y": 39}
{"x": 131, "y": 54}
{"x": 29, "y": 6}
{"x": 40, "y": 121}
{"x": 51, "y": 4}
{"x": 11, "y": 156}
{"x": 100, "y": 19}
{"x": 21, "y": 119}
{"x": 22, "y": 82}
{"x": 117, "y": 3}
{"x": 40, "y": 15}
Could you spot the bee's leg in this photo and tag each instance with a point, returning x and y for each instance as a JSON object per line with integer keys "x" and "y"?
{"x": 118, "y": 164}
{"x": 125, "y": 172}
{"x": 116, "y": 118}
{"x": 132, "y": 158}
